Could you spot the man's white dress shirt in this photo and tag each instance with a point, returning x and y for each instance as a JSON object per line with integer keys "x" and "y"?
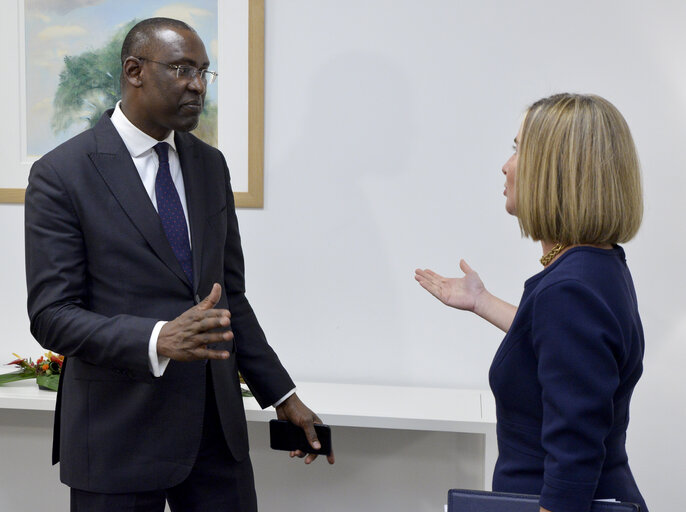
{"x": 140, "y": 146}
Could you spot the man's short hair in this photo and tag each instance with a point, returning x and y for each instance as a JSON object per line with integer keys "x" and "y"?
{"x": 578, "y": 175}
{"x": 142, "y": 35}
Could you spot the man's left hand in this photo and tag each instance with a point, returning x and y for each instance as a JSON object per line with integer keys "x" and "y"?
{"x": 293, "y": 410}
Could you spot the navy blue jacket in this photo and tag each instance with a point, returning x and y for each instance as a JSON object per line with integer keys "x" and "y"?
{"x": 563, "y": 378}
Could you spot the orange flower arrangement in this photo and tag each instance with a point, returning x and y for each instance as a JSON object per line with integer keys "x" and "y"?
{"x": 46, "y": 370}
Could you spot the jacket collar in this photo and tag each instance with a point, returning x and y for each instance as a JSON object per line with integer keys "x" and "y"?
{"x": 113, "y": 161}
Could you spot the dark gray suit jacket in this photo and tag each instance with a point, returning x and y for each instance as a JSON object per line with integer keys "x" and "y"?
{"x": 100, "y": 274}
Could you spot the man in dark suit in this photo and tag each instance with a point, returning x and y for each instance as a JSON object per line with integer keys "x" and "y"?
{"x": 128, "y": 225}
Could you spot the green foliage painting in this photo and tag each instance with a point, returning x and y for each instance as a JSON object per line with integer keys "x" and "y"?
{"x": 89, "y": 84}
{"x": 73, "y": 62}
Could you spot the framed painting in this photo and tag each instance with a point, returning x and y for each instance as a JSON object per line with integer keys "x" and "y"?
{"x": 63, "y": 65}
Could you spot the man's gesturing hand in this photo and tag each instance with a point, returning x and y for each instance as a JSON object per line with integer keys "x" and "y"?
{"x": 186, "y": 338}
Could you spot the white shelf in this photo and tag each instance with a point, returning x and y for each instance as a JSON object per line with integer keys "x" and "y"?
{"x": 392, "y": 407}
{"x": 348, "y": 405}
{"x": 25, "y": 395}
{"x": 353, "y": 405}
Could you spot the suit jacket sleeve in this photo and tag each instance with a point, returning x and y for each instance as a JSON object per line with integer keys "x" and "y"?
{"x": 578, "y": 344}
{"x": 257, "y": 361}
{"x": 58, "y": 282}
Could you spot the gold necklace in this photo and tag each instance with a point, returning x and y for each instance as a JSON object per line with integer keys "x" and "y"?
{"x": 550, "y": 255}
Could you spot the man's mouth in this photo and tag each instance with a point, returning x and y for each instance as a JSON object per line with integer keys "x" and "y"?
{"x": 192, "y": 106}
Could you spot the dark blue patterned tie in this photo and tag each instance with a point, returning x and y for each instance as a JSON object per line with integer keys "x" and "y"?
{"x": 171, "y": 212}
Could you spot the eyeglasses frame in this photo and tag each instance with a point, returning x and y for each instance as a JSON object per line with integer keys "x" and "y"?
{"x": 194, "y": 71}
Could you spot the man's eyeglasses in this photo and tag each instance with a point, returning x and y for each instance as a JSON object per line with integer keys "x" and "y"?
{"x": 185, "y": 72}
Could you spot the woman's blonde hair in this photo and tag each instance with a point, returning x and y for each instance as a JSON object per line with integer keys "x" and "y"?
{"x": 578, "y": 178}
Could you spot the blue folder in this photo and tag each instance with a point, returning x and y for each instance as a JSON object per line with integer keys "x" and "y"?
{"x": 464, "y": 500}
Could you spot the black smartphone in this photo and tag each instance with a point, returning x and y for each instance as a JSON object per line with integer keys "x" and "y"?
{"x": 284, "y": 435}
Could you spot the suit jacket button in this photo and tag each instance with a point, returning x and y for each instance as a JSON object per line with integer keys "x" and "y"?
{"x": 197, "y": 298}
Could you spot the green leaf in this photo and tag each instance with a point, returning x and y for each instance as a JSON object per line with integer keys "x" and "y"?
{"x": 15, "y": 376}
{"x": 51, "y": 382}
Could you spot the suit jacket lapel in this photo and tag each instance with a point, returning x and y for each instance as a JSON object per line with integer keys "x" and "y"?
{"x": 113, "y": 162}
{"x": 192, "y": 165}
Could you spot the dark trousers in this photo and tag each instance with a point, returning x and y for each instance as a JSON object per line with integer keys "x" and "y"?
{"x": 217, "y": 481}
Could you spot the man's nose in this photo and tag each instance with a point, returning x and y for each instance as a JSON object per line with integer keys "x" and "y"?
{"x": 197, "y": 84}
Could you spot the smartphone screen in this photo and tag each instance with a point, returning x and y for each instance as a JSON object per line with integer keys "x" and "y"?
{"x": 284, "y": 435}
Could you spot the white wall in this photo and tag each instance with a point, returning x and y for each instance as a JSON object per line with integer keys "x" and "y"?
{"x": 387, "y": 123}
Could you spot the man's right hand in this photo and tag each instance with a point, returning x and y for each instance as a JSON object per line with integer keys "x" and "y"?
{"x": 186, "y": 338}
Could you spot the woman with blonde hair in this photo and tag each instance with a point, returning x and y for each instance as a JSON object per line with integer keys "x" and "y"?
{"x": 565, "y": 371}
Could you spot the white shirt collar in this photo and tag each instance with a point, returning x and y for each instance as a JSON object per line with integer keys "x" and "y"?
{"x": 136, "y": 141}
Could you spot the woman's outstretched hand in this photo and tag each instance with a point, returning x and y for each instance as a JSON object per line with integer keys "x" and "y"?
{"x": 457, "y": 292}
{"x": 469, "y": 294}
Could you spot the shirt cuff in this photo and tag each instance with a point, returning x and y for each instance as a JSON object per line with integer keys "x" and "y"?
{"x": 283, "y": 398}
{"x": 156, "y": 363}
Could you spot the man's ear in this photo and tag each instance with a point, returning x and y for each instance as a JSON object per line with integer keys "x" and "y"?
{"x": 132, "y": 69}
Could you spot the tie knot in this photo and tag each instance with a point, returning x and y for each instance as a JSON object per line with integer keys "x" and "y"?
{"x": 161, "y": 150}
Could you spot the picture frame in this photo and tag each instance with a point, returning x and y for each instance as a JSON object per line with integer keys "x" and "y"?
{"x": 240, "y": 105}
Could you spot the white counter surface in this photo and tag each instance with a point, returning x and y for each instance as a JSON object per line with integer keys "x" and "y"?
{"x": 349, "y": 405}
{"x": 352, "y": 405}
